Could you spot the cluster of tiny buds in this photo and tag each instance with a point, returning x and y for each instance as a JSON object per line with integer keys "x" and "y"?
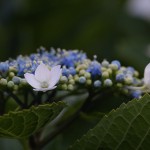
{"x": 78, "y": 71}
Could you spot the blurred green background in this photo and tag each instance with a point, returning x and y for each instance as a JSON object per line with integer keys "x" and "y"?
{"x": 101, "y": 27}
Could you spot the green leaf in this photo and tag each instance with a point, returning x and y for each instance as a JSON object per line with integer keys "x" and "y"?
{"x": 23, "y": 123}
{"x": 75, "y": 130}
{"x": 126, "y": 128}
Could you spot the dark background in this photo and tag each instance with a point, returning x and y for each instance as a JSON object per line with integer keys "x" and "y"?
{"x": 101, "y": 27}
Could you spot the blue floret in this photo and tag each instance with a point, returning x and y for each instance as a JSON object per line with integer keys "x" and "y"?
{"x": 116, "y": 62}
{"x": 94, "y": 68}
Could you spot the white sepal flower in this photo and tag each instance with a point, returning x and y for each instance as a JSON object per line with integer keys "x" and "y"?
{"x": 147, "y": 76}
{"x": 146, "y": 86}
{"x": 44, "y": 79}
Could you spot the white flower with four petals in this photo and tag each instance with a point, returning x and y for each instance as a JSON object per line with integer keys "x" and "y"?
{"x": 44, "y": 79}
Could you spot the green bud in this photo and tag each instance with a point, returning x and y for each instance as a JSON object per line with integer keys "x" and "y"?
{"x": 11, "y": 74}
{"x": 123, "y": 68}
{"x": 103, "y": 69}
{"x": 15, "y": 87}
{"x": 88, "y": 82}
{"x": 70, "y": 87}
{"x": 113, "y": 67}
{"x": 136, "y": 73}
{"x": 87, "y": 75}
{"x": 10, "y": 84}
{"x": 119, "y": 72}
{"x": 64, "y": 86}
{"x": 119, "y": 85}
{"x": 105, "y": 63}
{"x": 128, "y": 80}
{"x": 12, "y": 69}
{"x": 105, "y": 75}
{"x": 63, "y": 79}
{"x": 77, "y": 69}
{"x": 70, "y": 76}
{"x": 81, "y": 72}
{"x": 125, "y": 91}
{"x": 23, "y": 81}
{"x": 3, "y": 82}
{"x": 81, "y": 67}
{"x": 76, "y": 78}
{"x": 28, "y": 65}
{"x": 109, "y": 71}
{"x": 71, "y": 81}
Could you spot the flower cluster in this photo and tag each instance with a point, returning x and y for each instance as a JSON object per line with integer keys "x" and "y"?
{"x": 77, "y": 72}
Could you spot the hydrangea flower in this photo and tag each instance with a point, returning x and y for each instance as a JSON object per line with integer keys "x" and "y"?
{"x": 77, "y": 69}
{"x": 44, "y": 79}
{"x": 146, "y": 85}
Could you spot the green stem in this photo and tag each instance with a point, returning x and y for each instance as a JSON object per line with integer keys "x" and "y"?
{"x": 51, "y": 96}
{"x": 2, "y": 103}
{"x": 68, "y": 122}
{"x": 37, "y": 99}
{"x": 18, "y": 101}
{"x": 49, "y": 137}
{"x": 26, "y": 99}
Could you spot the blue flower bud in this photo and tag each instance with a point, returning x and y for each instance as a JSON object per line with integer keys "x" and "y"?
{"x": 116, "y": 62}
{"x": 16, "y": 80}
{"x": 94, "y": 68}
{"x": 97, "y": 83}
{"x": 120, "y": 77}
{"x": 72, "y": 71}
{"x": 136, "y": 94}
{"x": 4, "y": 67}
{"x": 108, "y": 83}
{"x": 82, "y": 80}
{"x": 65, "y": 72}
{"x": 71, "y": 57}
{"x": 130, "y": 70}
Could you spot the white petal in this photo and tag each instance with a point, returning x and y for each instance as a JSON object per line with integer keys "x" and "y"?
{"x": 45, "y": 89}
{"x": 42, "y": 73}
{"x": 55, "y": 75}
{"x": 136, "y": 88}
{"x": 31, "y": 80}
{"x": 147, "y": 76}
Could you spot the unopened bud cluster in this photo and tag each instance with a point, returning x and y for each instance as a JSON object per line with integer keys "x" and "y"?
{"x": 78, "y": 71}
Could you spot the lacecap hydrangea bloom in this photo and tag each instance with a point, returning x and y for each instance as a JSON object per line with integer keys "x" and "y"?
{"x": 69, "y": 70}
